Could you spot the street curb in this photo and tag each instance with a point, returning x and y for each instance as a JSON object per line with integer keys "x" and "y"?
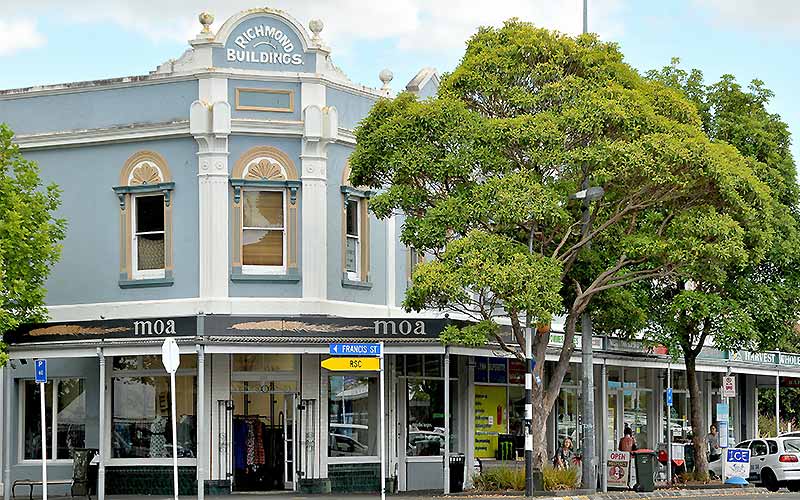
{"x": 671, "y": 493}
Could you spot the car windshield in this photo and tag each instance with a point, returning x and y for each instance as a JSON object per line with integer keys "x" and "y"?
{"x": 792, "y": 445}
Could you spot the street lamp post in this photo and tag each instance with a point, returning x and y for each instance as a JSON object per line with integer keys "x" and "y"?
{"x": 588, "y": 463}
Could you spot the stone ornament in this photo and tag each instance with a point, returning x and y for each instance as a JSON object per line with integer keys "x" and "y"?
{"x": 145, "y": 173}
{"x": 206, "y": 19}
{"x": 265, "y": 169}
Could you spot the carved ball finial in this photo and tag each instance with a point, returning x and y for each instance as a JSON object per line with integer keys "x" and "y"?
{"x": 316, "y": 26}
{"x": 206, "y": 19}
{"x": 386, "y": 76}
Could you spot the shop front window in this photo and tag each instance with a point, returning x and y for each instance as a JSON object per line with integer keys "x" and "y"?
{"x": 425, "y": 417}
{"x": 141, "y": 425}
{"x": 567, "y": 416}
{"x": 69, "y": 399}
{"x": 353, "y": 410}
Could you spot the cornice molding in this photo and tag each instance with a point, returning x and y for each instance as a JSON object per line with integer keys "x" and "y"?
{"x": 125, "y": 133}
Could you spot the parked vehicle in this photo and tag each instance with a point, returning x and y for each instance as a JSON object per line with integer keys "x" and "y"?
{"x": 774, "y": 462}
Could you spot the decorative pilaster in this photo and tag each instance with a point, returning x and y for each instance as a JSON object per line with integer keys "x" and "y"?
{"x": 321, "y": 126}
{"x": 210, "y": 124}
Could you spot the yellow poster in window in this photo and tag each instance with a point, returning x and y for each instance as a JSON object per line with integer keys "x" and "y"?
{"x": 490, "y": 419}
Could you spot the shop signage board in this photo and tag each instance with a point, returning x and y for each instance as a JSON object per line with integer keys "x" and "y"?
{"x": 729, "y": 387}
{"x": 737, "y": 465}
{"x": 618, "y": 469}
{"x": 351, "y": 364}
{"x": 355, "y": 349}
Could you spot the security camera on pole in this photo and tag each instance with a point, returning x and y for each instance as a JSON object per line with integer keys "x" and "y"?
{"x": 171, "y": 358}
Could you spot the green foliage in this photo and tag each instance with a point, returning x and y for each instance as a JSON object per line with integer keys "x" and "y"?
{"x": 500, "y": 271}
{"x": 483, "y": 177}
{"x": 29, "y": 237}
{"x": 790, "y": 407}
{"x": 500, "y": 479}
{"x": 694, "y": 476}
{"x": 559, "y": 479}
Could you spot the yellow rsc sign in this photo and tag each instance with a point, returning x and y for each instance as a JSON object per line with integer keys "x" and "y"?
{"x": 351, "y": 364}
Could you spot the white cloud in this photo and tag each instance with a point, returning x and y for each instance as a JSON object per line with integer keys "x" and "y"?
{"x": 423, "y": 25}
{"x": 20, "y": 34}
{"x": 781, "y": 16}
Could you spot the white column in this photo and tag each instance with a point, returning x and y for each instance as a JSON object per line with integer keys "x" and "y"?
{"x": 210, "y": 124}
{"x": 391, "y": 263}
{"x": 202, "y": 435}
{"x": 469, "y": 414}
{"x": 320, "y": 127}
{"x": 101, "y": 417}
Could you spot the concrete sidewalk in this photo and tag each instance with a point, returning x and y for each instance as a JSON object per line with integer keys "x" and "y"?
{"x": 741, "y": 493}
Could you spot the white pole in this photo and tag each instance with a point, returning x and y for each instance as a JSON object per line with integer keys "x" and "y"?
{"x": 44, "y": 443}
{"x": 446, "y": 422}
{"x": 777, "y": 405}
{"x": 174, "y": 436}
{"x": 383, "y": 425}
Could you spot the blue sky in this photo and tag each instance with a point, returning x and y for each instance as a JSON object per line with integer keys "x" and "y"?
{"x": 50, "y": 41}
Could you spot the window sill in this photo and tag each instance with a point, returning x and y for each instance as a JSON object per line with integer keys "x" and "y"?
{"x": 147, "y": 282}
{"x": 363, "y": 285}
{"x": 292, "y": 276}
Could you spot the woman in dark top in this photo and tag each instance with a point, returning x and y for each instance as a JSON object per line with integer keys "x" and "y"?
{"x": 565, "y": 456}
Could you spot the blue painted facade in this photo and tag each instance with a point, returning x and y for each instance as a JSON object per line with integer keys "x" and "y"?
{"x": 98, "y": 106}
{"x": 83, "y": 134}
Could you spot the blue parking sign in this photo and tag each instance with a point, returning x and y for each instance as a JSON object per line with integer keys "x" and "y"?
{"x": 41, "y": 371}
{"x": 669, "y": 396}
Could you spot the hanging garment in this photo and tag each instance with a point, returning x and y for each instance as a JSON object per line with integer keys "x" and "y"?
{"x": 158, "y": 441}
{"x": 259, "y": 455}
{"x": 239, "y": 444}
{"x": 251, "y": 443}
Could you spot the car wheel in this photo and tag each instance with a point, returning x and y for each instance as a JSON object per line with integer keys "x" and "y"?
{"x": 769, "y": 480}
{"x": 794, "y": 486}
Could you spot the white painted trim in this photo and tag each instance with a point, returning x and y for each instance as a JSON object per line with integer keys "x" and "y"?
{"x": 146, "y": 462}
{"x": 29, "y": 353}
{"x": 102, "y": 135}
{"x": 415, "y": 349}
{"x": 285, "y": 128}
{"x": 229, "y": 305}
{"x": 94, "y": 85}
{"x": 372, "y": 459}
{"x": 265, "y": 349}
{"x": 425, "y": 459}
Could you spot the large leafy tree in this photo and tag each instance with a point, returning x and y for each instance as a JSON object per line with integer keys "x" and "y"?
{"x": 30, "y": 237}
{"x": 752, "y": 299}
{"x": 484, "y": 171}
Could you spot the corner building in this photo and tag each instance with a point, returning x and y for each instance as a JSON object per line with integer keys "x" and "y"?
{"x": 209, "y": 201}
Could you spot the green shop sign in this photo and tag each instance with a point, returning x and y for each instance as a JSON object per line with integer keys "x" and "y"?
{"x": 767, "y": 358}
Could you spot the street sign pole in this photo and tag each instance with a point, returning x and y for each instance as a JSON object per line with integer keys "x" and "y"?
{"x": 44, "y": 443}
{"x": 669, "y": 428}
{"x": 383, "y": 423}
{"x": 171, "y": 358}
{"x": 41, "y": 377}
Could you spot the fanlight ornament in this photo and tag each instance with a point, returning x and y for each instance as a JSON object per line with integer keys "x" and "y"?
{"x": 265, "y": 169}
{"x": 145, "y": 173}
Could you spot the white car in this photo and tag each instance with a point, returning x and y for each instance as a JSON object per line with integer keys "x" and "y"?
{"x": 774, "y": 462}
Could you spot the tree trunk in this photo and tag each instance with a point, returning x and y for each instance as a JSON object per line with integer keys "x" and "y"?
{"x": 539, "y": 426}
{"x": 698, "y": 427}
